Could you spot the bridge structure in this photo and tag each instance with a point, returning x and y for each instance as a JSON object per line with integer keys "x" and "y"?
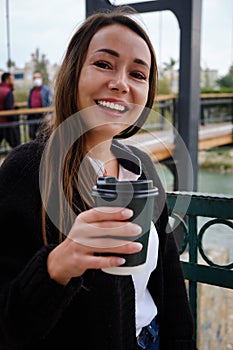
{"x": 158, "y": 137}
{"x": 215, "y": 125}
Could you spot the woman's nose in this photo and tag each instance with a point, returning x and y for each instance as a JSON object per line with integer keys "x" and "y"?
{"x": 119, "y": 83}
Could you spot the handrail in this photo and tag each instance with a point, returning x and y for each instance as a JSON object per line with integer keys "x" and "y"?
{"x": 217, "y": 95}
{"x": 159, "y": 99}
{"x": 26, "y": 111}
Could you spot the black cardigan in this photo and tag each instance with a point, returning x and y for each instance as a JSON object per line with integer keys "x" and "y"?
{"x": 96, "y": 310}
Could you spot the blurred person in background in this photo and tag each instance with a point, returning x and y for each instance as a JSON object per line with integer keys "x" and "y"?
{"x": 8, "y": 132}
{"x": 40, "y": 95}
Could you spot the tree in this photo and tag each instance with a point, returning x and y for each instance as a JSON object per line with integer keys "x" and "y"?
{"x": 41, "y": 66}
{"x": 10, "y": 63}
{"x": 227, "y": 80}
{"x": 164, "y": 86}
{"x": 169, "y": 67}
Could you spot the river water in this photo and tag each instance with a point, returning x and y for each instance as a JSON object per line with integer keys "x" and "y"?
{"x": 208, "y": 181}
{"x": 213, "y": 182}
{"x": 218, "y": 237}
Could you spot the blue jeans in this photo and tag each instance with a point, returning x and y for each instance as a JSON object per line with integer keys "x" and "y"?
{"x": 148, "y": 338}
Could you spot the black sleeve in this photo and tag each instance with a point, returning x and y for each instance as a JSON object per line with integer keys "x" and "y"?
{"x": 30, "y": 302}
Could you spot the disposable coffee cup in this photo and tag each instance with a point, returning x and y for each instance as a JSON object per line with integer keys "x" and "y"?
{"x": 137, "y": 195}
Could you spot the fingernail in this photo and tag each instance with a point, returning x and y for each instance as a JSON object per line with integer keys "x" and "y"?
{"x": 137, "y": 245}
{"x": 120, "y": 261}
{"x": 127, "y": 212}
{"x": 136, "y": 229}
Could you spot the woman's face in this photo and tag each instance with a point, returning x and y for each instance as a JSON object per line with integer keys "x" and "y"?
{"x": 114, "y": 81}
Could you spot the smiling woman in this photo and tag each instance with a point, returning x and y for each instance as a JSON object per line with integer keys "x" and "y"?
{"x": 56, "y": 246}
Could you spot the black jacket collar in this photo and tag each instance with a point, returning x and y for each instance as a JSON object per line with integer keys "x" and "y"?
{"x": 126, "y": 157}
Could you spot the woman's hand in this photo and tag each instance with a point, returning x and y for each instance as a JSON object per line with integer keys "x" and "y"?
{"x": 95, "y": 231}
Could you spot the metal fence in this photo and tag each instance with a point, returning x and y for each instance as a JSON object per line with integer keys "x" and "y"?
{"x": 18, "y": 120}
{"x": 214, "y": 108}
{"x": 217, "y": 210}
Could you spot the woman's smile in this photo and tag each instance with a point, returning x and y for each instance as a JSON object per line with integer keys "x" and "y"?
{"x": 111, "y": 105}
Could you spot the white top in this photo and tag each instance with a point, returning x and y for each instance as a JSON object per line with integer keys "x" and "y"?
{"x": 146, "y": 309}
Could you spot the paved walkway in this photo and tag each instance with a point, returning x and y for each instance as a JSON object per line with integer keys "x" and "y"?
{"x": 230, "y": 320}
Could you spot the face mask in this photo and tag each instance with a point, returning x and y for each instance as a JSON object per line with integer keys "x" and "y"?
{"x": 37, "y": 82}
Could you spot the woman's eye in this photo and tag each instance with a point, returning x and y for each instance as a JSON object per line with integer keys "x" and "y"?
{"x": 102, "y": 64}
{"x": 139, "y": 75}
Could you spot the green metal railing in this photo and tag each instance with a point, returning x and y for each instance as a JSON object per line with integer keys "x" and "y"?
{"x": 185, "y": 209}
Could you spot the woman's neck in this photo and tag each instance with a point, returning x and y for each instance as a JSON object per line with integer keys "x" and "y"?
{"x": 111, "y": 168}
{"x": 102, "y": 152}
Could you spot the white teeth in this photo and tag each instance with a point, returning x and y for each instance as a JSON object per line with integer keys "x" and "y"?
{"x": 112, "y": 105}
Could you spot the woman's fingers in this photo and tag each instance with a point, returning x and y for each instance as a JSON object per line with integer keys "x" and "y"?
{"x": 101, "y": 262}
{"x": 104, "y": 227}
{"x": 122, "y": 248}
{"x": 89, "y": 257}
{"x": 84, "y": 248}
{"x": 105, "y": 234}
{"x": 96, "y": 235}
{"x": 105, "y": 214}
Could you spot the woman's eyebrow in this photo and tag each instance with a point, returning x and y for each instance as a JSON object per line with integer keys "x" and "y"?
{"x": 116, "y": 54}
{"x": 111, "y": 52}
{"x": 139, "y": 61}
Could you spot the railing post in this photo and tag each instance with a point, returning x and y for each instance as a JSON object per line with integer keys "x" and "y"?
{"x": 193, "y": 292}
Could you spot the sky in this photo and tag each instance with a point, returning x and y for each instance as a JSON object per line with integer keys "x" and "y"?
{"x": 49, "y": 25}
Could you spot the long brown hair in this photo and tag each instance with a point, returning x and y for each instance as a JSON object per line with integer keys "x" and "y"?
{"x": 65, "y": 103}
